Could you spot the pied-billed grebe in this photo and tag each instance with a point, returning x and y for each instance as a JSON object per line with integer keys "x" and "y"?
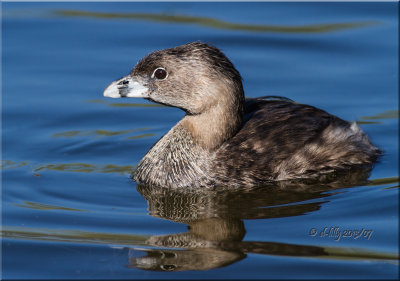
{"x": 227, "y": 140}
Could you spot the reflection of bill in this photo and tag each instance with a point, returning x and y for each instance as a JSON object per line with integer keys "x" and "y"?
{"x": 179, "y": 260}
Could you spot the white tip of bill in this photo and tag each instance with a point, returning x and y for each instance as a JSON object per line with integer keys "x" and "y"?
{"x": 112, "y": 91}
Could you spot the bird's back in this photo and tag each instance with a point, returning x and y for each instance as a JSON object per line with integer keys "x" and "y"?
{"x": 284, "y": 140}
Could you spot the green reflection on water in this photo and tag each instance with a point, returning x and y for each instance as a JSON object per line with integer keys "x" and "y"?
{"x": 383, "y": 181}
{"x": 355, "y": 253}
{"x": 9, "y": 164}
{"x": 99, "y": 133}
{"x": 368, "y": 122}
{"x": 389, "y": 114}
{"x": 40, "y": 206}
{"x": 392, "y": 187}
{"x": 140, "y": 136}
{"x": 135, "y": 105}
{"x": 85, "y": 168}
{"x": 74, "y": 236}
{"x": 71, "y": 167}
{"x": 126, "y": 104}
{"x": 215, "y": 23}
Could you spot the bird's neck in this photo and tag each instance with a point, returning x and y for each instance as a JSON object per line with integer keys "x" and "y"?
{"x": 184, "y": 155}
{"x": 213, "y": 127}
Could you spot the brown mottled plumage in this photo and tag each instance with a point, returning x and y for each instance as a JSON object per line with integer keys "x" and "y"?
{"x": 225, "y": 140}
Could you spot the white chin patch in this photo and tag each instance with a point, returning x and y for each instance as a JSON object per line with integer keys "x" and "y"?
{"x": 136, "y": 90}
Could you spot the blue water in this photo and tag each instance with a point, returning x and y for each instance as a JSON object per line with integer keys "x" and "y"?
{"x": 69, "y": 208}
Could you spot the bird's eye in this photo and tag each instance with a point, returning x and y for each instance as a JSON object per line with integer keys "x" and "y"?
{"x": 168, "y": 267}
{"x": 160, "y": 73}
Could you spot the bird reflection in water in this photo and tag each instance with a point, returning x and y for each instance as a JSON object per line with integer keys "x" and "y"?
{"x": 215, "y": 222}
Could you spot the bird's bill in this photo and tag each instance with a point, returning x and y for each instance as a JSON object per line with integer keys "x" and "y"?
{"x": 127, "y": 87}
